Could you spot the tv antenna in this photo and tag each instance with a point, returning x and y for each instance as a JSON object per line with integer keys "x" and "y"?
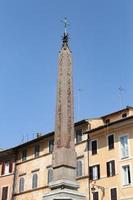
{"x": 121, "y": 90}
{"x": 78, "y": 102}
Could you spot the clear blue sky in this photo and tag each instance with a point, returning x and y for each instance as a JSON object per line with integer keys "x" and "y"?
{"x": 101, "y": 39}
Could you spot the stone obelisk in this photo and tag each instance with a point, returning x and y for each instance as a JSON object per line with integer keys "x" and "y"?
{"x": 64, "y": 185}
{"x": 64, "y": 156}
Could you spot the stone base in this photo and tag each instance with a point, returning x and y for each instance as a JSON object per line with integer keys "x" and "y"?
{"x": 64, "y": 183}
{"x": 64, "y": 194}
{"x": 64, "y": 164}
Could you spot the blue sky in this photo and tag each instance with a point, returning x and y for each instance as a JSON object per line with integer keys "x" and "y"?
{"x": 101, "y": 39}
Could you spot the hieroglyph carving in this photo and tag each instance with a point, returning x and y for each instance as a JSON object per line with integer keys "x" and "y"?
{"x": 64, "y": 131}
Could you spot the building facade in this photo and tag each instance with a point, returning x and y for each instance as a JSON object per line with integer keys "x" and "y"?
{"x": 7, "y": 169}
{"x": 104, "y": 148}
{"x": 111, "y": 156}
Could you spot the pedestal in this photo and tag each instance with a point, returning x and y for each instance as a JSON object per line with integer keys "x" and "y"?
{"x": 64, "y": 190}
{"x": 64, "y": 194}
{"x": 64, "y": 186}
{"x": 64, "y": 164}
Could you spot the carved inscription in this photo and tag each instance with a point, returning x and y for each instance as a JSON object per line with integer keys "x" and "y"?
{"x": 64, "y": 107}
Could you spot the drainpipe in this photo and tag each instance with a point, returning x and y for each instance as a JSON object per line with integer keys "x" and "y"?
{"x": 14, "y": 179}
{"x": 89, "y": 189}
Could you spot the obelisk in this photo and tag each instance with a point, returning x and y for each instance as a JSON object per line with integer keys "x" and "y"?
{"x": 64, "y": 185}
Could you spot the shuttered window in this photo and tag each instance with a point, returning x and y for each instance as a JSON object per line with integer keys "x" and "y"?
{"x": 24, "y": 155}
{"x": 21, "y": 184}
{"x": 51, "y": 145}
{"x": 94, "y": 147}
{"x": 111, "y": 168}
{"x": 34, "y": 181}
{"x": 78, "y": 135}
{"x": 95, "y": 196}
{"x": 126, "y": 175}
{"x": 37, "y": 150}
{"x": 124, "y": 147}
{"x": 4, "y": 193}
{"x": 50, "y": 175}
{"x": 94, "y": 172}
{"x": 79, "y": 168}
{"x": 11, "y": 167}
{"x": 111, "y": 142}
{"x": 113, "y": 194}
{"x": 3, "y": 168}
{"x": 7, "y": 167}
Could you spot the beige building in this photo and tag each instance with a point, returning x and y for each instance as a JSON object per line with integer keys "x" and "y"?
{"x": 7, "y": 168}
{"x": 111, "y": 156}
{"x": 104, "y": 149}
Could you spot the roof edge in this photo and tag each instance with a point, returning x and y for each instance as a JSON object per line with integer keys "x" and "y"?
{"x": 107, "y": 125}
{"x": 39, "y": 138}
{"x": 119, "y": 111}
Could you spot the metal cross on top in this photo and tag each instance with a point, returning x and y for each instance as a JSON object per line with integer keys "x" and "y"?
{"x": 66, "y": 24}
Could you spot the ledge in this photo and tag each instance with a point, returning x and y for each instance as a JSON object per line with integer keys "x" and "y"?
{"x": 28, "y": 160}
{"x": 32, "y": 190}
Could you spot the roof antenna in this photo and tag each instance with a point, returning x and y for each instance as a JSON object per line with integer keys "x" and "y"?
{"x": 22, "y": 140}
{"x": 121, "y": 90}
{"x": 78, "y": 102}
{"x": 27, "y": 137}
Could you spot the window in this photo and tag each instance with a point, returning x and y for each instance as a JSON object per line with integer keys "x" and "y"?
{"x": 79, "y": 168}
{"x": 34, "y": 181}
{"x": 24, "y": 155}
{"x": 124, "y": 146}
{"x": 51, "y": 145}
{"x": 78, "y": 135}
{"x": 11, "y": 167}
{"x": 37, "y": 150}
{"x": 107, "y": 121}
{"x": 113, "y": 194}
{"x": 124, "y": 115}
{"x": 88, "y": 145}
{"x": 21, "y": 184}
{"x": 7, "y": 167}
{"x": 50, "y": 175}
{"x": 95, "y": 196}
{"x": 3, "y": 168}
{"x": 126, "y": 175}
{"x": 4, "y": 193}
{"x": 94, "y": 147}
{"x": 111, "y": 142}
{"x": 94, "y": 172}
{"x": 111, "y": 168}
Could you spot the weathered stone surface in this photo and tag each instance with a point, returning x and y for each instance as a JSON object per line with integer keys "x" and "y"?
{"x": 64, "y": 130}
{"x": 64, "y": 155}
